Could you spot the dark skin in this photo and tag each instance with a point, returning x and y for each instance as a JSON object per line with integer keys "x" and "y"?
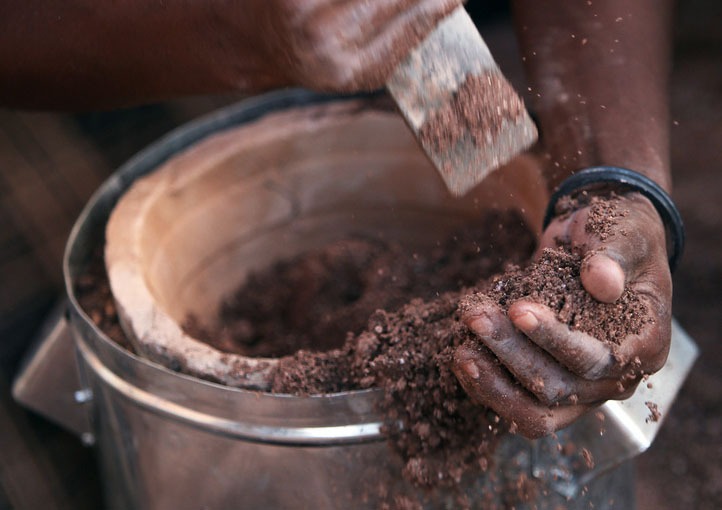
{"x": 80, "y": 54}
{"x": 598, "y": 74}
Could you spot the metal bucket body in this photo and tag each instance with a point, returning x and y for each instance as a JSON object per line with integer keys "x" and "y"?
{"x": 168, "y": 440}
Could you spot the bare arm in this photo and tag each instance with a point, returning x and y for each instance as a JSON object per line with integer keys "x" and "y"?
{"x": 598, "y": 71}
{"x": 83, "y": 53}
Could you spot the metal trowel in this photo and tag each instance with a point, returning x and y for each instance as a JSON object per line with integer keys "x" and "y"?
{"x": 465, "y": 140}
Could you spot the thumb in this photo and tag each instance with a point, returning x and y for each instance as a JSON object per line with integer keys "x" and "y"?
{"x": 603, "y": 277}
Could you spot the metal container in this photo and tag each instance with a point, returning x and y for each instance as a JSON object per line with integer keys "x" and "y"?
{"x": 171, "y": 441}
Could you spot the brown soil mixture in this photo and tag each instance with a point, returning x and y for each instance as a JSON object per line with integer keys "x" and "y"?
{"x": 441, "y": 434}
{"x": 479, "y": 108}
{"x": 314, "y": 300}
{"x": 94, "y": 296}
{"x": 438, "y": 431}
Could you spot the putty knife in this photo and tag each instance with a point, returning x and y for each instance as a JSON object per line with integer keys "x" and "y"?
{"x": 465, "y": 140}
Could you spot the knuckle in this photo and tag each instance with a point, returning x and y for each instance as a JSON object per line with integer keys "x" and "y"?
{"x": 550, "y": 392}
{"x": 597, "y": 367}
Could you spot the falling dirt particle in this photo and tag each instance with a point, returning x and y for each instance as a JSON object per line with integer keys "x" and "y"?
{"x": 588, "y": 458}
{"x": 654, "y": 414}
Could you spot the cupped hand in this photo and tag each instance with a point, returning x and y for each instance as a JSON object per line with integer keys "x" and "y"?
{"x": 539, "y": 374}
{"x": 345, "y": 45}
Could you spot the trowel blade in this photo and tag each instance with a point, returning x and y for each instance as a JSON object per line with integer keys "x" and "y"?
{"x": 428, "y": 80}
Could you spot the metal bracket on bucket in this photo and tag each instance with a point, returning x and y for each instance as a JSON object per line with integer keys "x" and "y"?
{"x": 618, "y": 431}
{"x": 52, "y": 385}
{"x": 50, "y": 382}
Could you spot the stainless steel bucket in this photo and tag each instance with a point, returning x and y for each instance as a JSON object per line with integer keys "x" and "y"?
{"x": 171, "y": 441}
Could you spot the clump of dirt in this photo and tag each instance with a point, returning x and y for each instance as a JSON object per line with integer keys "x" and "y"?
{"x": 439, "y": 432}
{"x": 553, "y": 280}
{"x": 410, "y": 326}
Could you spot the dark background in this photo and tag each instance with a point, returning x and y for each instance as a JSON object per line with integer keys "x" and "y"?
{"x": 51, "y": 163}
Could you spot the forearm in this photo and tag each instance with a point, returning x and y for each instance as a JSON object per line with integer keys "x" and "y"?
{"x": 598, "y": 72}
{"x": 83, "y": 53}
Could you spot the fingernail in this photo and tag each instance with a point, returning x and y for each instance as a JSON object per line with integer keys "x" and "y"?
{"x": 481, "y": 325}
{"x": 470, "y": 369}
{"x": 526, "y": 321}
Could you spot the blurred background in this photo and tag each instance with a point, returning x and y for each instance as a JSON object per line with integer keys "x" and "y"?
{"x": 50, "y": 164}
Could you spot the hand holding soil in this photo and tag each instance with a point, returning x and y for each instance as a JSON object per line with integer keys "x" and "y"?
{"x": 541, "y": 360}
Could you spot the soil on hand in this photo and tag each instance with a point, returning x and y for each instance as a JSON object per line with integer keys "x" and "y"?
{"x": 478, "y": 109}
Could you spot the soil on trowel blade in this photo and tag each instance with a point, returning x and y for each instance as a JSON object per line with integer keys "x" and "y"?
{"x": 314, "y": 300}
{"x": 479, "y": 109}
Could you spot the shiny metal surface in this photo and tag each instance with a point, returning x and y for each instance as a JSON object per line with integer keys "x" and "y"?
{"x": 49, "y": 381}
{"x": 167, "y": 440}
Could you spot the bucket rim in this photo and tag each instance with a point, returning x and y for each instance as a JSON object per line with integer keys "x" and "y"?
{"x": 94, "y": 216}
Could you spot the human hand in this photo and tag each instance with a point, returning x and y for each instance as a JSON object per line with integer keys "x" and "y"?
{"x": 345, "y": 45}
{"x": 539, "y": 374}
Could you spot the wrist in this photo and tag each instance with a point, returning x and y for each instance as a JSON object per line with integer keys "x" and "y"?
{"x": 606, "y": 179}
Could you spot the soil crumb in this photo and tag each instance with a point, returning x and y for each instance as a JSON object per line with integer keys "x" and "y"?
{"x": 479, "y": 108}
{"x": 654, "y": 414}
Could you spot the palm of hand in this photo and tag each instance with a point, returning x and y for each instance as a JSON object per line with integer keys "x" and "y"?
{"x": 539, "y": 374}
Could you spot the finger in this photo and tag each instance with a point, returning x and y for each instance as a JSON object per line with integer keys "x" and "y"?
{"x": 532, "y": 367}
{"x": 639, "y": 237}
{"x": 602, "y": 277}
{"x": 635, "y": 240}
{"x": 647, "y": 351}
{"x": 488, "y": 384}
{"x": 581, "y": 353}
